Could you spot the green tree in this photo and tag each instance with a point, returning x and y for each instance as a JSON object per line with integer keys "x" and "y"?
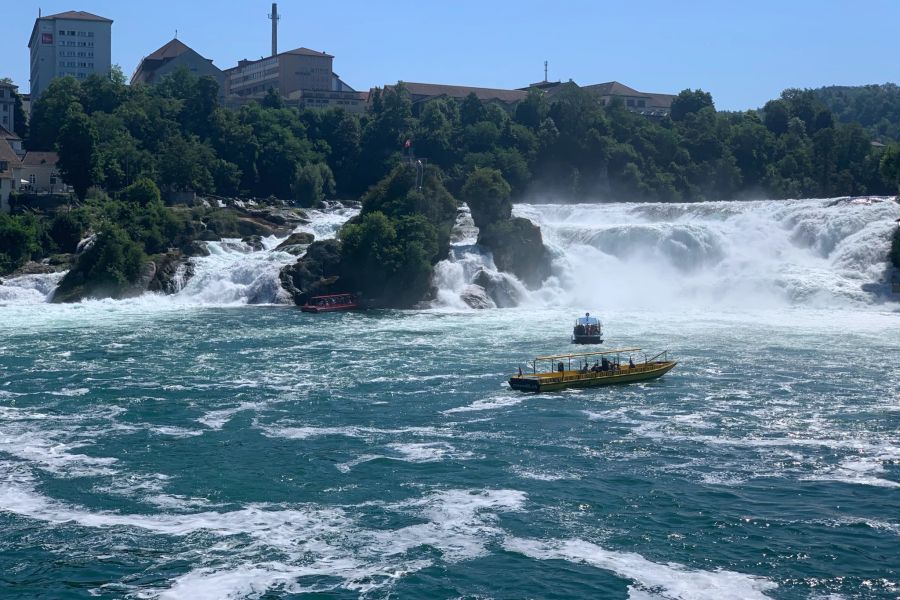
{"x": 49, "y": 112}
{"x": 77, "y": 148}
{"x": 67, "y": 228}
{"x": 890, "y": 165}
{"x": 314, "y": 182}
{"x": 487, "y": 194}
{"x": 142, "y": 192}
{"x": 690, "y": 101}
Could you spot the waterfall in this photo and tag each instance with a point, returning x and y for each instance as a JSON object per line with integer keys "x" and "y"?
{"x": 233, "y": 273}
{"x": 29, "y": 289}
{"x": 468, "y": 278}
{"x": 822, "y": 252}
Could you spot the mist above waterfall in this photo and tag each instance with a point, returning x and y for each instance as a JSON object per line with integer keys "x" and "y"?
{"x": 713, "y": 254}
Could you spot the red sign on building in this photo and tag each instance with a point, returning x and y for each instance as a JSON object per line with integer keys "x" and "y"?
{"x": 46, "y": 38}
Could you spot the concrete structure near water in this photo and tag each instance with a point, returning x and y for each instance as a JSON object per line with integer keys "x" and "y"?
{"x": 75, "y": 43}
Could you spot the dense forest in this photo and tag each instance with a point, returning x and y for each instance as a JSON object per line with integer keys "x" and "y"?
{"x": 124, "y": 147}
{"x": 875, "y": 107}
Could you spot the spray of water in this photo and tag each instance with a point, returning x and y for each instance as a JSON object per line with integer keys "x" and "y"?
{"x": 725, "y": 254}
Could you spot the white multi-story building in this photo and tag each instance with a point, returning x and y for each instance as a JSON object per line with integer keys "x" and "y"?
{"x": 75, "y": 43}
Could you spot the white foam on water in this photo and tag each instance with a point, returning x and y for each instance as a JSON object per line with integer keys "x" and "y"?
{"x": 174, "y": 431}
{"x": 310, "y": 541}
{"x": 71, "y": 392}
{"x": 216, "y": 419}
{"x": 543, "y": 475}
{"x": 52, "y": 451}
{"x": 425, "y": 452}
{"x": 651, "y": 580}
{"x": 486, "y": 404}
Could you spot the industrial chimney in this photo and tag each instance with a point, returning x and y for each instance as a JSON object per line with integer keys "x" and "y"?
{"x": 274, "y": 16}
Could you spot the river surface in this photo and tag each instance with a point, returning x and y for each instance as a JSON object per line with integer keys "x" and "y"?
{"x": 199, "y": 447}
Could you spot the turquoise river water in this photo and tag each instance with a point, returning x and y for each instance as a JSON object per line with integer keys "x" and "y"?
{"x": 187, "y": 448}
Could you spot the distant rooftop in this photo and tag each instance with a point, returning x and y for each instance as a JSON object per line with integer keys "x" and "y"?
{"x": 78, "y": 15}
{"x": 34, "y": 159}
{"x": 295, "y": 51}
{"x": 461, "y": 91}
{"x": 172, "y": 49}
{"x": 8, "y": 135}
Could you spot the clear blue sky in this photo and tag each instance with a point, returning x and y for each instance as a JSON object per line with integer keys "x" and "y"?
{"x": 743, "y": 53}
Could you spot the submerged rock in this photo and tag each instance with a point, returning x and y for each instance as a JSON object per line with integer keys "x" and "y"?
{"x": 296, "y": 243}
{"x": 499, "y": 288}
{"x": 313, "y": 274}
{"x": 518, "y": 248}
{"x": 254, "y": 241}
{"x": 476, "y": 297}
{"x": 173, "y": 270}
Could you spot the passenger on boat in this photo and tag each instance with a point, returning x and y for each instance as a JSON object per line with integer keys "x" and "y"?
{"x": 605, "y": 365}
{"x": 596, "y": 367}
{"x": 584, "y": 369}
{"x": 560, "y": 367}
{"x": 630, "y": 363}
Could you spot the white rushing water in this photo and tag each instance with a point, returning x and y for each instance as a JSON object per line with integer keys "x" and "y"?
{"x": 759, "y": 254}
{"x": 233, "y": 273}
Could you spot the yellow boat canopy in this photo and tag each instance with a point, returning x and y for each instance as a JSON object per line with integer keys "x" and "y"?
{"x": 619, "y": 351}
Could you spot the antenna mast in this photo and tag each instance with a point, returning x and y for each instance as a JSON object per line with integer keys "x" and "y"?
{"x": 545, "y": 71}
{"x": 275, "y": 17}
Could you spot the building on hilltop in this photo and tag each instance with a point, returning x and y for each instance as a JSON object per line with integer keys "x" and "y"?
{"x": 652, "y": 105}
{"x": 301, "y": 76}
{"x": 422, "y": 92}
{"x": 648, "y": 104}
{"x": 75, "y": 43}
{"x": 171, "y": 57}
{"x": 8, "y": 106}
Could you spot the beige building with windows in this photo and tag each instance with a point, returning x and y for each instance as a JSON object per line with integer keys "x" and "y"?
{"x": 75, "y": 43}
{"x": 302, "y": 77}
{"x": 40, "y": 171}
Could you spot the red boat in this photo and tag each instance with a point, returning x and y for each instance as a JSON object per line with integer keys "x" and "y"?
{"x": 332, "y": 303}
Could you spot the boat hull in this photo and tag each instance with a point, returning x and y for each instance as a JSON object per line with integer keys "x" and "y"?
{"x": 552, "y": 382}
{"x": 325, "y": 309}
{"x": 587, "y": 339}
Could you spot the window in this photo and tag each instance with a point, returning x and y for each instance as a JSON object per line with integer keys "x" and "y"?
{"x": 4, "y": 166}
{"x": 90, "y": 34}
{"x": 6, "y": 108}
{"x": 52, "y": 179}
{"x": 6, "y": 120}
{"x": 32, "y": 179}
{"x": 642, "y": 103}
{"x": 630, "y": 102}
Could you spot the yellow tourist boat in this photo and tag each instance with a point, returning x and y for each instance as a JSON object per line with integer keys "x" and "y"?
{"x": 603, "y": 372}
